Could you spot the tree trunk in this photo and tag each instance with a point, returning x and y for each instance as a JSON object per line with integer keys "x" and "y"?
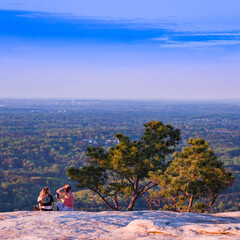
{"x": 211, "y": 203}
{"x": 132, "y": 202}
{"x": 114, "y": 199}
{"x": 150, "y": 204}
{"x": 190, "y": 203}
{"x": 138, "y": 192}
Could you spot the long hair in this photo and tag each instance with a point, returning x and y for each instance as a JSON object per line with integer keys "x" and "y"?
{"x": 68, "y": 188}
{"x": 44, "y": 192}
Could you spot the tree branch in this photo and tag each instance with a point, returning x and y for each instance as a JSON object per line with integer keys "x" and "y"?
{"x": 124, "y": 202}
{"x": 145, "y": 185}
{"x": 153, "y": 185}
{"x": 130, "y": 181}
{"x": 104, "y": 200}
{"x": 214, "y": 196}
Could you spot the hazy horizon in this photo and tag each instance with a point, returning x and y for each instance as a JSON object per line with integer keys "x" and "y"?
{"x": 121, "y": 99}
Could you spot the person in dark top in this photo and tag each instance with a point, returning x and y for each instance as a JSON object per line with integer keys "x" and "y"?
{"x": 45, "y": 200}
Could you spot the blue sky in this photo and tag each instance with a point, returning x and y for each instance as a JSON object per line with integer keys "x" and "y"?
{"x": 115, "y": 49}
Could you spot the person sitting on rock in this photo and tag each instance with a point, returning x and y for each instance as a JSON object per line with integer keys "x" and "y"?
{"x": 45, "y": 200}
{"x": 68, "y": 200}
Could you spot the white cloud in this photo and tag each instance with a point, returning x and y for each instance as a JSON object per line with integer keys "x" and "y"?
{"x": 210, "y": 34}
{"x": 161, "y": 39}
{"x": 200, "y": 44}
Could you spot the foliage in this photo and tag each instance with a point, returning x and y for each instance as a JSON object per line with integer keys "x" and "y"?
{"x": 193, "y": 180}
{"x": 123, "y": 170}
{"x": 39, "y": 139}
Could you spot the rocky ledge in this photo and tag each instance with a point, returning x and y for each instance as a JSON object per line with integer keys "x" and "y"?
{"x": 118, "y": 225}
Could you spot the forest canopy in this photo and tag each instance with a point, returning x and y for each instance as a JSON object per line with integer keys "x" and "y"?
{"x": 40, "y": 139}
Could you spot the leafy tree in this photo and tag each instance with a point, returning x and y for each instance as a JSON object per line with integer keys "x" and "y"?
{"x": 122, "y": 172}
{"x": 193, "y": 180}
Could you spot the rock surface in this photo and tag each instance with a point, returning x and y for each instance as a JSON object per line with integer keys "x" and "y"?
{"x": 118, "y": 225}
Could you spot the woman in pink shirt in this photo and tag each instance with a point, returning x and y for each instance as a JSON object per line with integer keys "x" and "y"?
{"x": 68, "y": 201}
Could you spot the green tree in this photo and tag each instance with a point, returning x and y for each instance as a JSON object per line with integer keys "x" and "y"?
{"x": 193, "y": 180}
{"x": 123, "y": 171}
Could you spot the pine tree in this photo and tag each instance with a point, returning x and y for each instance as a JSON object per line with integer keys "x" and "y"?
{"x": 122, "y": 173}
{"x": 193, "y": 180}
